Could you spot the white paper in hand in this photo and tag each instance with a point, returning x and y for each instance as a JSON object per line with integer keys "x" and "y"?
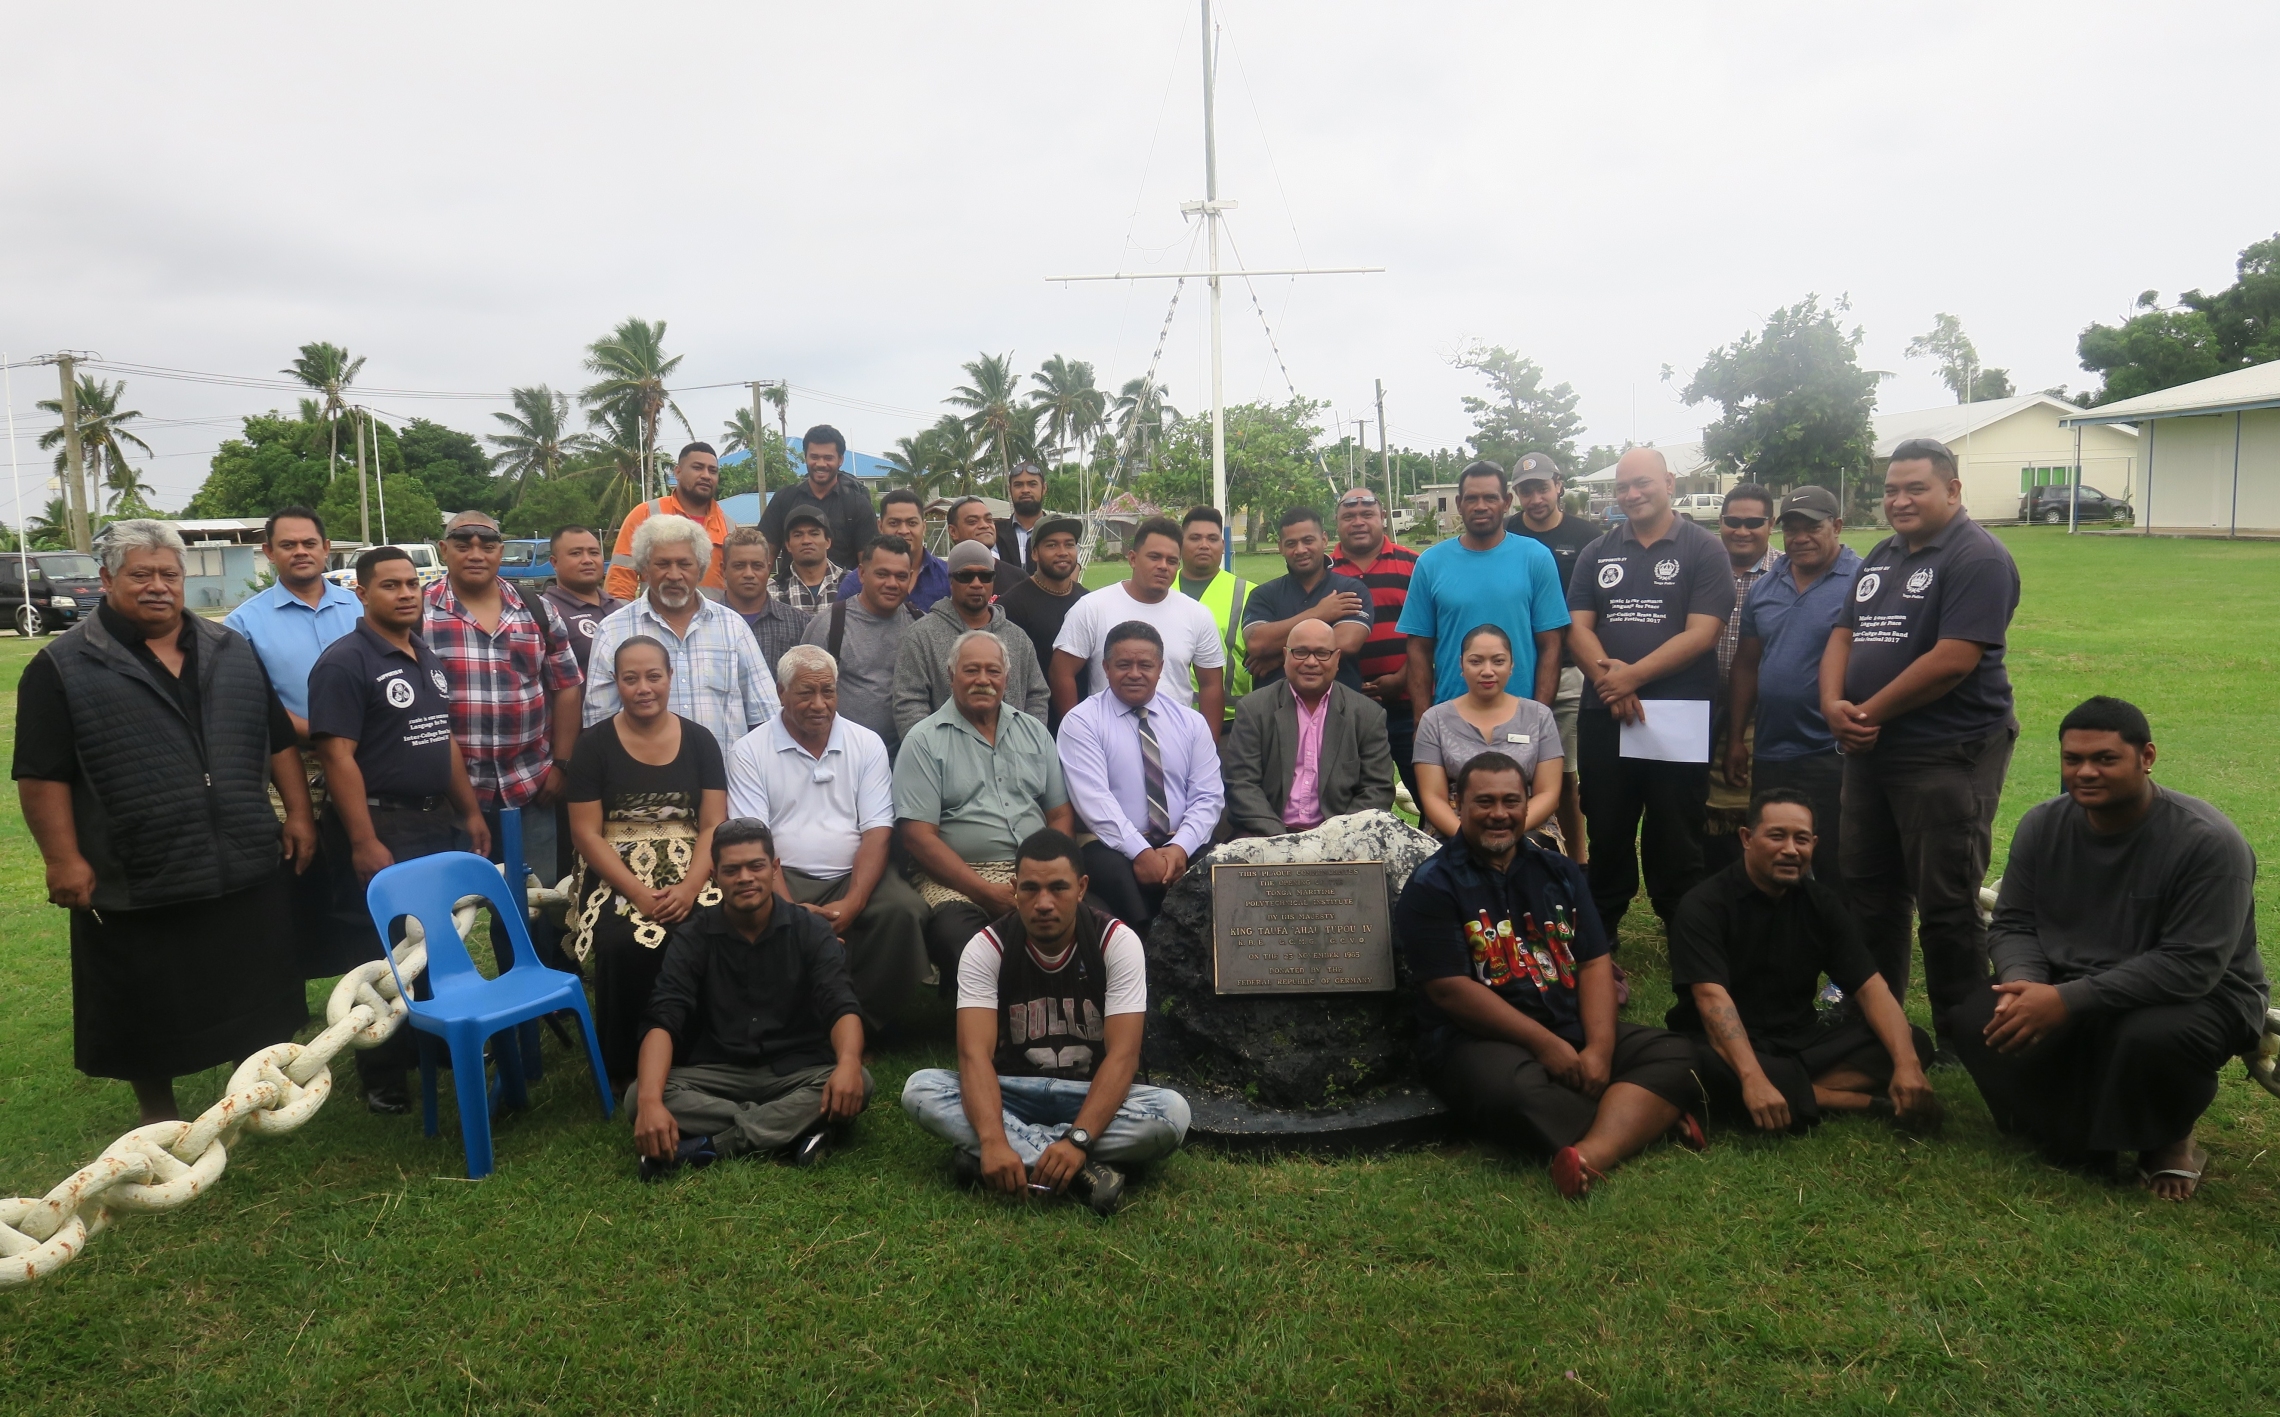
{"x": 1675, "y": 731}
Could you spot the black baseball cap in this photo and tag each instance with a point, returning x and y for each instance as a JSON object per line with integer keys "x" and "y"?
{"x": 1818, "y": 503}
{"x": 806, "y": 513}
{"x": 1051, "y": 525}
{"x": 1537, "y": 467}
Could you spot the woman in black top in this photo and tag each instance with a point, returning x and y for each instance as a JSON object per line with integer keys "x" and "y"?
{"x": 646, "y": 789}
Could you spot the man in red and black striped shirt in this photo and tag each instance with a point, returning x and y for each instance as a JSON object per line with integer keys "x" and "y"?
{"x": 1370, "y": 555}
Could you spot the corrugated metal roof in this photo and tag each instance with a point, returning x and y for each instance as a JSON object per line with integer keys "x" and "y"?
{"x": 2256, "y": 387}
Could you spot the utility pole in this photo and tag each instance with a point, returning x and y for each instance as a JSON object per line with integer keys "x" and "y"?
{"x": 758, "y": 449}
{"x": 74, "y": 477}
{"x": 1211, "y": 229}
{"x": 1385, "y": 452}
{"x": 363, "y": 488}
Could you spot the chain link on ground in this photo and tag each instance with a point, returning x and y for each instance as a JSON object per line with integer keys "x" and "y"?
{"x": 165, "y": 1165}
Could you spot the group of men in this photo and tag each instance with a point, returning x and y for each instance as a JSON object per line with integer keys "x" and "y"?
{"x": 971, "y": 769}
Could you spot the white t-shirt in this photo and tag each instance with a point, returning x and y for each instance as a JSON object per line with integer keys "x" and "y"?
{"x": 1121, "y": 951}
{"x": 1191, "y": 636}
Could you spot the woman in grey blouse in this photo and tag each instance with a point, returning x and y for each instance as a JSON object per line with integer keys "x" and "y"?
{"x": 1451, "y": 733}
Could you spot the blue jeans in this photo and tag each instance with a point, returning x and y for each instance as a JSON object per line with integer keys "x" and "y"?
{"x": 1038, "y": 1111}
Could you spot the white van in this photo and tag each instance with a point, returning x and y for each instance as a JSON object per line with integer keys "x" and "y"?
{"x": 423, "y": 554}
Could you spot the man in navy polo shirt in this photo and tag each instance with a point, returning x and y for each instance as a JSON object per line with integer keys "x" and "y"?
{"x": 1308, "y": 590}
{"x": 380, "y": 714}
{"x": 1914, "y": 688}
{"x": 1776, "y": 679}
{"x": 1650, "y": 599}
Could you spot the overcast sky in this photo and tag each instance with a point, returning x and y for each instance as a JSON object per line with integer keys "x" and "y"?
{"x": 859, "y": 196}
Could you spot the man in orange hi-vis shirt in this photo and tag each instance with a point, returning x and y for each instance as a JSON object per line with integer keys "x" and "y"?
{"x": 695, "y": 478}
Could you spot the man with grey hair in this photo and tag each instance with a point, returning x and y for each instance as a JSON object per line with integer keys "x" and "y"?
{"x": 973, "y": 779}
{"x": 821, "y": 783}
{"x": 720, "y": 677}
{"x": 147, "y": 741}
{"x": 922, "y": 664}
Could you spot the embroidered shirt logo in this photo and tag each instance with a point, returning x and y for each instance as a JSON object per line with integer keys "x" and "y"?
{"x": 400, "y": 693}
{"x": 1666, "y": 570}
{"x": 442, "y": 685}
{"x": 1869, "y": 584}
{"x": 1611, "y": 575}
{"x": 1918, "y": 582}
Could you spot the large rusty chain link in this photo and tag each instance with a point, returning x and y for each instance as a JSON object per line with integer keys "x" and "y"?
{"x": 165, "y": 1165}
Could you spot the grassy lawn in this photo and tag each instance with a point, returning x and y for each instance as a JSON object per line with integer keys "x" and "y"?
{"x": 1854, "y": 1269}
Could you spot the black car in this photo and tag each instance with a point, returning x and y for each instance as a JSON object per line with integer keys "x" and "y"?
{"x": 2048, "y": 505}
{"x": 63, "y": 591}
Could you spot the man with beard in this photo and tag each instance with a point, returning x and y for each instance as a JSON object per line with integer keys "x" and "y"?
{"x": 1038, "y": 605}
{"x": 1017, "y": 535}
{"x": 902, "y": 515}
{"x": 720, "y": 679}
{"x": 970, "y": 520}
{"x": 844, "y": 505}
{"x": 696, "y": 476}
{"x": 922, "y": 663}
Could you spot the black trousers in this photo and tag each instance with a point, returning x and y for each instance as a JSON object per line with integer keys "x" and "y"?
{"x": 947, "y": 930}
{"x": 1919, "y": 825}
{"x": 1633, "y": 803}
{"x": 408, "y": 834}
{"x": 1401, "y": 740}
{"x": 1843, "y": 1042}
{"x": 2103, "y": 1083}
{"x": 1502, "y": 1094}
{"x": 1116, "y": 890}
{"x": 1821, "y": 777}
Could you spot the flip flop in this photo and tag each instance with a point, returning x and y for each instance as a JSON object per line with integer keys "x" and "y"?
{"x": 2192, "y": 1178}
{"x": 1572, "y": 1175}
{"x": 1687, "y": 1132}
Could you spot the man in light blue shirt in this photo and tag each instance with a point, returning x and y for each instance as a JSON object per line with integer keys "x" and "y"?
{"x": 1485, "y": 576}
{"x": 292, "y": 621}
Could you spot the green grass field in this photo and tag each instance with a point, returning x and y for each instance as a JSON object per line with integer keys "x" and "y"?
{"x": 346, "y": 1265}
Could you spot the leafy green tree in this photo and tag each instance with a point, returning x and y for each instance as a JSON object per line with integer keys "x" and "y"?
{"x": 613, "y": 453}
{"x": 454, "y": 467}
{"x": 537, "y": 441}
{"x": 1002, "y": 426}
{"x": 1794, "y": 401}
{"x": 411, "y": 512}
{"x": 555, "y": 503}
{"x": 2199, "y": 337}
{"x": 1271, "y": 463}
{"x": 1072, "y": 409}
{"x": 1958, "y": 361}
{"x": 1520, "y": 415}
{"x": 329, "y": 370}
{"x": 103, "y": 435}
{"x": 629, "y": 398}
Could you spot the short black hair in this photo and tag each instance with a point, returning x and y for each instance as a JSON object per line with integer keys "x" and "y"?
{"x": 1750, "y": 492}
{"x": 1292, "y": 516}
{"x": 1490, "y": 761}
{"x": 742, "y": 831}
{"x": 2104, "y": 713}
{"x": 378, "y": 555}
{"x": 824, "y": 433}
{"x": 1931, "y": 450}
{"x": 634, "y": 641}
{"x": 962, "y": 504}
{"x": 1774, "y": 795}
{"x": 1154, "y": 526}
{"x": 888, "y": 542}
{"x": 562, "y": 531}
{"x": 1484, "y": 468}
{"x": 307, "y": 514}
{"x": 1046, "y": 844}
{"x": 1132, "y": 630}
{"x": 1478, "y": 630}
{"x": 900, "y": 494}
{"x": 1200, "y": 513}
{"x": 688, "y": 448}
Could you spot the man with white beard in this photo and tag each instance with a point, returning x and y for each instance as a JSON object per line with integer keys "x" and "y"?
{"x": 720, "y": 678}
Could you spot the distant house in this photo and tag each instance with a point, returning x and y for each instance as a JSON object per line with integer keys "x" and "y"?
{"x": 2211, "y": 450}
{"x": 1694, "y": 471}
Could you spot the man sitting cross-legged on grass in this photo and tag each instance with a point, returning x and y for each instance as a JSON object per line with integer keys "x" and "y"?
{"x": 1052, "y": 1000}
{"x": 1748, "y": 948}
{"x": 753, "y": 1040}
{"x": 1516, "y": 996}
{"x": 2125, "y": 955}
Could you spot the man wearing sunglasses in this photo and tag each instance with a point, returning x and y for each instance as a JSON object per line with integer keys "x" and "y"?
{"x": 1745, "y": 529}
{"x": 922, "y": 662}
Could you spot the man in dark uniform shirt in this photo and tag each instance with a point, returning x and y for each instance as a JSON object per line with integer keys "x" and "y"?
{"x": 380, "y": 716}
{"x": 577, "y": 595}
{"x": 1914, "y": 688}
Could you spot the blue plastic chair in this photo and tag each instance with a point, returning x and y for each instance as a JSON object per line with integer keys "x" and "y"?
{"x": 467, "y": 1009}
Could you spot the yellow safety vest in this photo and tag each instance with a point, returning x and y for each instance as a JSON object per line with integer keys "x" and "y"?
{"x": 1224, "y": 599}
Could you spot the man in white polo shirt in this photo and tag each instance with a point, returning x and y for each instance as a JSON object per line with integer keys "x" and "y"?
{"x": 821, "y": 783}
{"x": 1195, "y": 658}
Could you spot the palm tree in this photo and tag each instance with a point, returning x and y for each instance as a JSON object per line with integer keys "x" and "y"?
{"x": 51, "y": 529}
{"x": 327, "y": 369}
{"x": 536, "y": 442}
{"x": 102, "y": 435}
{"x": 1070, "y": 405}
{"x": 633, "y": 367}
{"x": 994, "y": 412}
{"x": 614, "y": 454}
{"x": 1141, "y": 414}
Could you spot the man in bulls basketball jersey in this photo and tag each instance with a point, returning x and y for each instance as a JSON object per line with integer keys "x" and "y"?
{"x": 1052, "y": 1000}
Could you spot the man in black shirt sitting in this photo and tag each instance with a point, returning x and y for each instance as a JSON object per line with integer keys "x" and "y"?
{"x": 1747, "y": 951}
{"x": 754, "y": 1041}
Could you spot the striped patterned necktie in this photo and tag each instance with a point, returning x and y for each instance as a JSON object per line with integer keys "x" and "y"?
{"x": 1152, "y": 771}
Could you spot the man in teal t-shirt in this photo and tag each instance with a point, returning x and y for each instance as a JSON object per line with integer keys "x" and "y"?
{"x": 1486, "y": 576}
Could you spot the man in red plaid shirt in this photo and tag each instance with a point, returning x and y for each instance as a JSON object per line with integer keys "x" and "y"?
{"x": 516, "y": 689}
{"x": 1368, "y": 553}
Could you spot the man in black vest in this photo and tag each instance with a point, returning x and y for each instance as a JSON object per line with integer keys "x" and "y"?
{"x": 146, "y": 744}
{"x": 1052, "y": 1001}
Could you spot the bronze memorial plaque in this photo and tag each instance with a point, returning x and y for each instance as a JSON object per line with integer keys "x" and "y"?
{"x": 1311, "y": 928}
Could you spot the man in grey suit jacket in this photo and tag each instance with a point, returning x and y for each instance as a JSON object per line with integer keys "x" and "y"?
{"x": 1307, "y": 748}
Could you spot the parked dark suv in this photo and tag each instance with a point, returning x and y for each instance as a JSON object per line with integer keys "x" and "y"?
{"x": 2048, "y": 505}
{"x": 64, "y": 590}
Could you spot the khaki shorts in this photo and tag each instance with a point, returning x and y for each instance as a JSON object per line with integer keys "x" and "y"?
{"x": 1566, "y": 704}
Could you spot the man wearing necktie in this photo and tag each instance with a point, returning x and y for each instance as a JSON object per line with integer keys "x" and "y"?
{"x": 1143, "y": 775}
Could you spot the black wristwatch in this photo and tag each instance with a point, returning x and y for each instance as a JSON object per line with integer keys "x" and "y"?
{"x": 1081, "y": 1139}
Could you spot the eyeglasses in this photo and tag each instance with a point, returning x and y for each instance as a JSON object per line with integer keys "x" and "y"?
{"x": 1309, "y": 654}
{"x": 975, "y": 577}
{"x": 1742, "y": 523}
{"x": 479, "y": 536}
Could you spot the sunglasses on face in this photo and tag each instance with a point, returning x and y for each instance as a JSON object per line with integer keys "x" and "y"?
{"x": 1742, "y": 523}
{"x": 975, "y": 577}
{"x": 480, "y": 538}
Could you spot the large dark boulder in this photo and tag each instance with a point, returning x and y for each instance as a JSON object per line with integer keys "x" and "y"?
{"x": 1305, "y": 1051}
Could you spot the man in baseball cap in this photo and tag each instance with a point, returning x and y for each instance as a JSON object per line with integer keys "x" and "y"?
{"x": 1539, "y": 484}
{"x": 807, "y": 575}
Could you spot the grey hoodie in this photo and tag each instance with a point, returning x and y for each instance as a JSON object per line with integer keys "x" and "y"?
{"x": 922, "y": 665}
